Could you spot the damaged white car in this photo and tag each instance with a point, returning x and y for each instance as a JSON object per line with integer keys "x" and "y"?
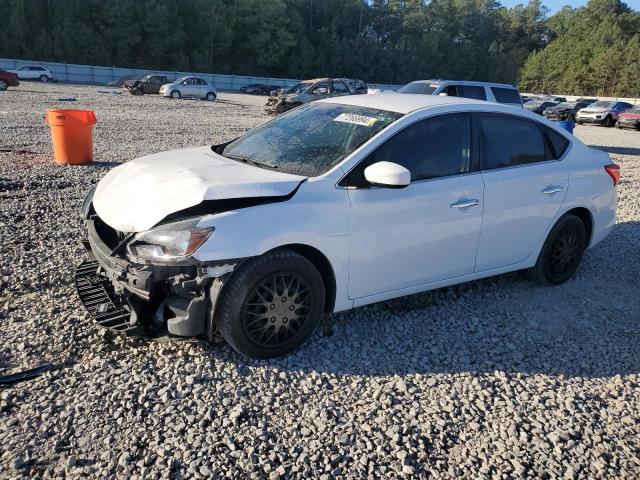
{"x": 333, "y": 205}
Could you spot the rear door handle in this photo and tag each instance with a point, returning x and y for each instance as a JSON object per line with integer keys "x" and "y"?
{"x": 465, "y": 203}
{"x": 551, "y": 189}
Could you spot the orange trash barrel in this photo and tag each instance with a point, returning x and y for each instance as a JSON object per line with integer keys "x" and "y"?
{"x": 72, "y": 135}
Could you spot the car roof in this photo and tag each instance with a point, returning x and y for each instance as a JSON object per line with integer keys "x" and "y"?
{"x": 467, "y": 82}
{"x": 403, "y": 103}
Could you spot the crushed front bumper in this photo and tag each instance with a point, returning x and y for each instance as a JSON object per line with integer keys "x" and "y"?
{"x": 135, "y": 299}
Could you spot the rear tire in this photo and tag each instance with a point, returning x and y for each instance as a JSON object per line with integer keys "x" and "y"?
{"x": 561, "y": 253}
{"x": 271, "y": 304}
{"x": 175, "y": 94}
{"x": 3, "y": 85}
{"x": 210, "y": 97}
{"x": 44, "y": 79}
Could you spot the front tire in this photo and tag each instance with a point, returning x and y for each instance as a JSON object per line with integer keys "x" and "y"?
{"x": 271, "y": 304}
{"x": 608, "y": 121}
{"x": 3, "y": 85}
{"x": 561, "y": 253}
{"x": 175, "y": 94}
{"x": 44, "y": 79}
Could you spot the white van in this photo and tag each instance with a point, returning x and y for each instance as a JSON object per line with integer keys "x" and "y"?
{"x": 491, "y": 92}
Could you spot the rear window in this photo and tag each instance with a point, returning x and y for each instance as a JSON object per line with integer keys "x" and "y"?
{"x": 506, "y": 95}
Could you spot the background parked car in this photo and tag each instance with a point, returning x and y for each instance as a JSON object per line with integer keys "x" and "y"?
{"x": 311, "y": 90}
{"x": 567, "y": 110}
{"x": 146, "y": 84}
{"x": 8, "y": 79}
{"x": 604, "y": 112}
{"x": 629, "y": 118}
{"x": 34, "y": 73}
{"x": 259, "y": 89}
{"x": 491, "y": 92}
{"x": 539, "y": 106}
{"x": 189, "y": 87}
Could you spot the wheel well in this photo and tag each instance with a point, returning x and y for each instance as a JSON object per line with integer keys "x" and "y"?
{"x": 584, "y": 215}
{"x": 323, "y": 265}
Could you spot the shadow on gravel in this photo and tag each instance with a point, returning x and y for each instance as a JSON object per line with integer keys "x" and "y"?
{"x": 618, "y": 150}
{"x": 588, "y": 327}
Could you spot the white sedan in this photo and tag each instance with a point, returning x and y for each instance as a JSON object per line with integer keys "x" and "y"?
{"x": 337, "y": 204}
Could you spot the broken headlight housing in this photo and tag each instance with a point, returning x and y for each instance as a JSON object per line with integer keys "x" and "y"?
{"x": 171, "y": 242}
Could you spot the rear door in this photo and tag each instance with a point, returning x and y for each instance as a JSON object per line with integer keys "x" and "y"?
{"x": 524, "y": 188}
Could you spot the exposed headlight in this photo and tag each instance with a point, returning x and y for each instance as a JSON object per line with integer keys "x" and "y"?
{"x": 86, "y": 204}
{"x": 171, "y": 242}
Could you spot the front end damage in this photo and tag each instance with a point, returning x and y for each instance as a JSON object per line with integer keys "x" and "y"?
{"x": 277, "y": 104}
{"x": 136, "y": 299}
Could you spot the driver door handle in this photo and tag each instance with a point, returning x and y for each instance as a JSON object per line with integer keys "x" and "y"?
{"x": 551, "y": 189}
{"x": 465, "y": 203}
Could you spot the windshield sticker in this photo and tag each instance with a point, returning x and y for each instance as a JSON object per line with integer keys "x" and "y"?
{"x": 356, "y": 119}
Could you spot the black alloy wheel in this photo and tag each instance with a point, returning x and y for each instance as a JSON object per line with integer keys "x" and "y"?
{"x": 562, "y": 252}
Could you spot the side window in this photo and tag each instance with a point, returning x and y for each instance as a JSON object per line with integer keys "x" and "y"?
{"x": 431, "y": 148}
{"x": 472, "y": 91}
{"x": 320, "y": 89}
{"x": 557, "y": 142}
{"x": 506, "y": 95}
{"x": 339, "y": 87}
{"x": 507, "y": 141}
{"x": 452, "y": 91}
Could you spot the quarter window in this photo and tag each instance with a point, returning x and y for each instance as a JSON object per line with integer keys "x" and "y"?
{"x": 508, "y": 141}
{"x": 431, "y": 148}
{"x": 558, "y": 143}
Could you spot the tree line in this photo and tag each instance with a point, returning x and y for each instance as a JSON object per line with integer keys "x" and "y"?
{"x": 380, "y": 41}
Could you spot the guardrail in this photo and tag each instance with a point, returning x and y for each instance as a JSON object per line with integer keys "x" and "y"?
{"x": 90, "y": 74}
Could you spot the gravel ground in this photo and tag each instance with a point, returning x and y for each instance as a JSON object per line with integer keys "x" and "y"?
{"x": 498, "y": 378}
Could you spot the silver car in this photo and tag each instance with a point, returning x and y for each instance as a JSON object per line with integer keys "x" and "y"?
{"x": 189, "y": 87}
{"x": 604, "y": 112}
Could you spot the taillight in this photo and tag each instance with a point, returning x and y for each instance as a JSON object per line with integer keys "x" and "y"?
{"x": 614, "y": 172}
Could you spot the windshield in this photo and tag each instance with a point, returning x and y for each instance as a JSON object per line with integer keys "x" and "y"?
{"x": 634, "y": 110}
{"x": 419, "y": 87}
{"x": 181, "y": 79}
{"x": 566, "y": 105}
{"x": 145, "y": 78}
{"x": 311, "y": 139}
{"x": 601, "y": 104}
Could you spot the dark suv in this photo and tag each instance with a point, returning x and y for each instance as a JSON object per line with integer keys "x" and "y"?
{"x": 8, "y": 79}
{"x": 146, "y": 84}
{"x": 567, "y": 110}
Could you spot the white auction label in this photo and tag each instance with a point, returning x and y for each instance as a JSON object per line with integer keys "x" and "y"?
{"x": 355, "y": 119}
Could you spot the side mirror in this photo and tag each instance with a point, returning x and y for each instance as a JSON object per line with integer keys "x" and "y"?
{"x": 443, "y": 94}
{"x": 387, "y": 175}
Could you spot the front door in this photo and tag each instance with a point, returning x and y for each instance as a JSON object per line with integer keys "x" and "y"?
{"x": 427, "y": 231}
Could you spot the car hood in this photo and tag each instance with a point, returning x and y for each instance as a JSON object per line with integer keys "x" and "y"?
{"x": 595, "y": 110}
{"x": 135, "y": 196}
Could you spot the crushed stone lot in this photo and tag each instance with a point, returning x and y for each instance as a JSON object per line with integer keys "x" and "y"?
{"x": 499, "y": 378}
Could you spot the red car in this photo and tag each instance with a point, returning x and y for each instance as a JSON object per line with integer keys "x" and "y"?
{"x": 8, "y": 79}
{"x": 629, "y": 119}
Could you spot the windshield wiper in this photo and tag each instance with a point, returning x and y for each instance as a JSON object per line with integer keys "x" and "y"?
{"x": 250, "y": 162}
